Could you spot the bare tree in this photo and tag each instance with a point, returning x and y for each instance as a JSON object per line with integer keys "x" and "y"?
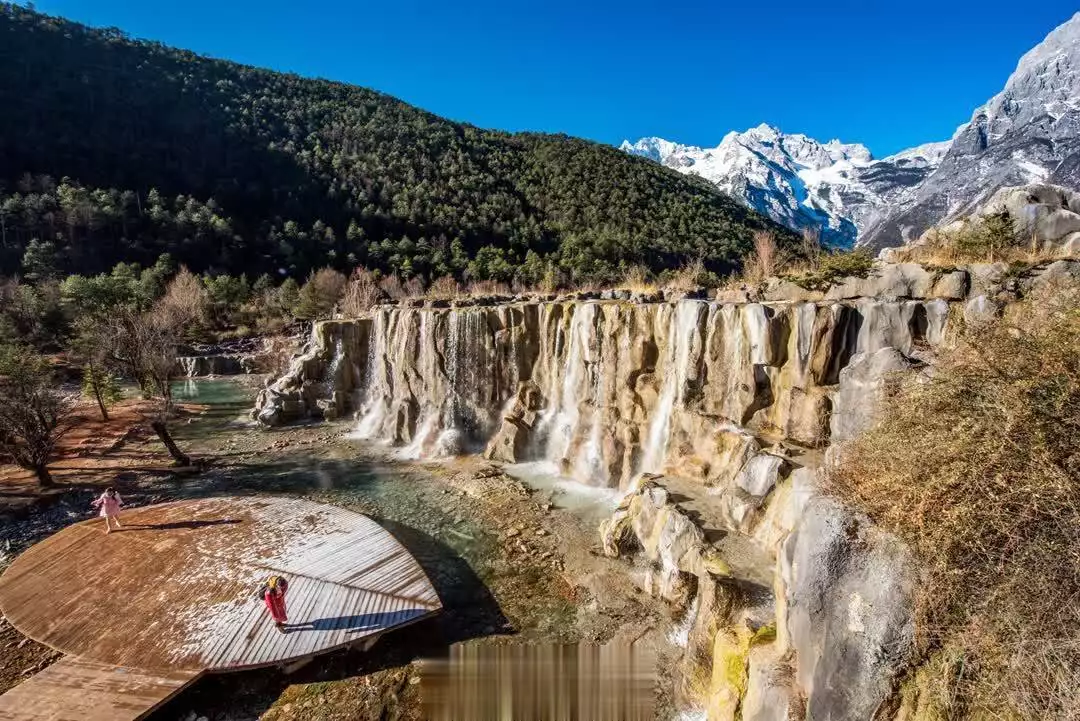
{"x": 144, "y": 345}
{"x": 34, "y": 412}
{"x": 766, "y": 259}
{"x": 90, "y": 347}
{"x": 811, "y": 246}
{"x": 361, "y": 293}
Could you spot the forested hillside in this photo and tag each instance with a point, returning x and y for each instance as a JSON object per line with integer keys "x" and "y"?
{"x": 115, "y": 149}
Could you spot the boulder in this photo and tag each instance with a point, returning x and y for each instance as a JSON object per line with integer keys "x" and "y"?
{"x": 1049, "y": 213}
{"x": 858, "y": 398}
{"x": 1057, "y": 273}
{"x": 951, "y": 286}
{"x": 887, "y": 281}
{"x": 981, "y": 309}
{"x": 849, "y": 598}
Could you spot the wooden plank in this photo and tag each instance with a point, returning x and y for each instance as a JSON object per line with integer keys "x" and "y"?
{"x": 74, "y": 689}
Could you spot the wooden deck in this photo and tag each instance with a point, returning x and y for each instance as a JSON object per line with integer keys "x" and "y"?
{"x": 76, "y": 690}
{"x": 174, "y": 592}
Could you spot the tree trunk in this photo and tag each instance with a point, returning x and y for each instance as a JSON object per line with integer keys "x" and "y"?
{"x": 163, "y": 433}
{"x": 45, "y": 479}
{"x": 100, "y": 403}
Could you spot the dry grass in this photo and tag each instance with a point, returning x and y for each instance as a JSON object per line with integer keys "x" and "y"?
{"x": 767, "y": 259}
{"x": 487, "y": 287}
{"x": 987, "y": 239}
{"x": 978, "y": 468}
{"x": 638, "y": 279}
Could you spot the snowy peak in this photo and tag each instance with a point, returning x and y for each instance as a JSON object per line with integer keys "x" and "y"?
{"x": 1027, "y": 133}
{"x": 794, "y": 179}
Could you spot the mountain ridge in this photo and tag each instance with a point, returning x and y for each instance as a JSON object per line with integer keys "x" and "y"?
{"x": 796, "y": 180}
{"x": 260, "y": 171}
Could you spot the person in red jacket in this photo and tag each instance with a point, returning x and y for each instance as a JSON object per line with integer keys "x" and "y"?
{"x": 273, "y": 594}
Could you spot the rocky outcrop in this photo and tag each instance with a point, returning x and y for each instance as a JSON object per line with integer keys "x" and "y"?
{"x": 323, "y": 379}
{"x": 848, "y": 596}
{"x": 800, "y": 610}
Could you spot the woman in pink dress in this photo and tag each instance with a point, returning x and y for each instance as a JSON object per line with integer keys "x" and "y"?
{"x": 109, "y": 502}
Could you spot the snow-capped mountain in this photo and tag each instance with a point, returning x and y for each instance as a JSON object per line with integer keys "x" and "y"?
{"x": 798, "y": 181}
{"x": 1027, "y": 133}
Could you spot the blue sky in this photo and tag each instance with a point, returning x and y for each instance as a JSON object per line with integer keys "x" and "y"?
{"x": 887, "y": 74}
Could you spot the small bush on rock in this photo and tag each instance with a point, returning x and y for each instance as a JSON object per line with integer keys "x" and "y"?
{"x": 830, "y": 268}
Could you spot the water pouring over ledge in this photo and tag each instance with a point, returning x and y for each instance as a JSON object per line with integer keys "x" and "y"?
{"x": 604, "y": 390}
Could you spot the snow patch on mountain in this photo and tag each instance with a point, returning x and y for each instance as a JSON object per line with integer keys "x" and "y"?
{"x": 796, "y": 180}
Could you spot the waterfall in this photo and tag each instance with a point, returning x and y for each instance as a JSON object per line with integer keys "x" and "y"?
{"x": 190, "y": 365}
{"x": 429, "y": 413}
{"x": 565, "y": 412}
{"x": 589, "y": 461}
{"x": 376, "y": 395}
{"x": 603, "y": 390}
{"x": 335, "y": 364}
{"x": 682, "y": 328}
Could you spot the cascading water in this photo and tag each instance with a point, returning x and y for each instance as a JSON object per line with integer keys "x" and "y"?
{"x": 429, "y": 414}
{"x": 335, "y": 365}
{"x": 683, "y": 326}
{"x": 604, "y": 390}
{"x": 374, "y": 407}
{"x": 565, "y": 411}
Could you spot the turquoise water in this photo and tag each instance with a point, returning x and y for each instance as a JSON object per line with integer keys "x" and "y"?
{"x": 230, "y": 403}
{"x": 334, "y": 470}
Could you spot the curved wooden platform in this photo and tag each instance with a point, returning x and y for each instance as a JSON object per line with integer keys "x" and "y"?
{"x": 173, "y": 595}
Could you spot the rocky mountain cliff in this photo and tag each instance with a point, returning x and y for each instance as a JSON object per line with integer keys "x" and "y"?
{"x": 798, "y": 181}
{"x": 1027, "y": 133}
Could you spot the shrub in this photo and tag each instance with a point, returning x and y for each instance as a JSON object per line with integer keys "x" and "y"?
{"x": 444, "y": 287}
{"x": 764, "y": 260}
{"x": 690, "y": 276}
{"x": 414, "y": 288}
{"x": 320, "y": 294}
{"x": 978, "y": 469}
{"x": 638, "y": 278}
{"x": 392, "y": 286}
{"x": 833, "y": 267}
{"x": 361, "y": 293}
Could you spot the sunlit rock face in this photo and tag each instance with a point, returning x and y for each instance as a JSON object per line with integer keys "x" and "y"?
{"x": 605, "y": 389}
